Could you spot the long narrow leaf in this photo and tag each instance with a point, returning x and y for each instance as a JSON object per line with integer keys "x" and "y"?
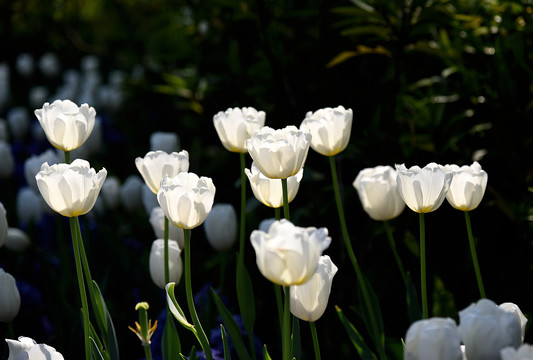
{"x": 372, "y": 308}
{"x": 175, "y": 309}
{"x": 227, "y": 352}
{"x": 245, "y": 297}
{"x": 170, "y": 343}
{"x": 355, "y": 337}
{"x": 296, "y": 343}
{"x": 109, "y": 336}
{"x": 266, "y": 355}
{"x": 93, "y": 335}
{"x": 95, "y": 351}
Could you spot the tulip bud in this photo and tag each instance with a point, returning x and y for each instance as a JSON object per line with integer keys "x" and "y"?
{"x": 157, "y": 262}
{"x": 3, "y": 225}
{"x": 9, "y": 297}
{"x": 29, "y": 206}
{"x": 467, "y": 187}
{"x": 221, "y": 227}
{"x": 157, "y": 220}
{"x": 514, "y": 309}
{"x": 7, "y": 161}
{"x": 131, "y": 193}
{"x": 165, "y": 141}
{"x": 17, "y": 240}
{"x": 524, "y": 352}
{"x": 27, "y": 348}
{"x": 434, "y": 338}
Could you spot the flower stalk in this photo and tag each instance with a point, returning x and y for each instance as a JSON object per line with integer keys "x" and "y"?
{"x": 286, "y": 213}
{"x": 423, "y": 282}
{"x": 286, "y": 328}
{"x": 314, "y": 335}
{"x": 474, "y": 255}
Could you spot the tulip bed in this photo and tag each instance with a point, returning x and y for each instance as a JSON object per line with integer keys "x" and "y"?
{"x": 167, "y": 214}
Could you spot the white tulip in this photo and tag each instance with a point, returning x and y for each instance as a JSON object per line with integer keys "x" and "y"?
{"x": 157, "y": 262}
{"x": 235, "y": 126}
{"x": 220, "y": 227}
{"x": 467, "y": 187}
{"x": 27, "y": 348}
{"x": 9, "y": 297}
{"x": 434, "y": 338}
{"x": 157, "y": 164}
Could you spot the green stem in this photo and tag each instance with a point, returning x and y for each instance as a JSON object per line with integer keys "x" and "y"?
{"x": 81, "y": 285}
{"x": 474, "y": 255}
{"x": 243, "y": 209}
{"x": 277, "y": 213}
{"x": 279, "y": 304}
{"x": 286, "y": 331}
{"x": 392, "y": 245}
{"x": 315, "y": 340}
{"x": 346, "y": 236}
{"x": 286, "y": 214}
{"x": 67, "y": 157}
{"x": 425, "y": 311}
{"x": 165, "y": 251}
{"x": 204, "y": 342}
{"x": 147, "y": 351}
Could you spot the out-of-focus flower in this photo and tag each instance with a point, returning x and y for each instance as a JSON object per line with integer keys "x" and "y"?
{"x": 269, "y": 191}
{"x": 524, "y": 352}
{"x": 330, "y": 127}
{"x": 49, "y": 64}
{"x": 467, "y": 187}
{"x": 221, "y": 227}
{"x": 111, "y": 192}
{"x": 280, "y": 153}
{"x": 70, "y": 189}
{"x": 25, "y": 64}
{"x": 7, "y": 161}
{"x": 17, "y": 240}
{"x": 157, "y": 220}
{"x": 309, "y": 300}
{"x": 4, "y": 132}
{"x": 157, "y": 164}
{"x": 423, "y": 190}
{"x": 131, "y": 193}
{"x": 157, "y": 262}
{"x": 27, "y": 348}
{"x": 37, "y": 96}
{"x": 513, "y": 308}
{"x": 378, "y": 192}
{"x": 288, "y": 255}
{"x": 9, "y": 297}
{"x": 165, "y": 141}
{"x": 434, "y": 338}
{"x": 186, "y": 199}
{"x": 32, "y": 165}
{"x": 264, "y": 225}
{"x": 485, "y": 329}
{"x": 3, "y": 225}
{"x": 18, "y": 120}
{"x": 235, "y": 126}
{"x": 66, "y": 125}
{"x": 149, "y": 199}
{"x": 29, "y": 206}
{"x": 94, "y": 143}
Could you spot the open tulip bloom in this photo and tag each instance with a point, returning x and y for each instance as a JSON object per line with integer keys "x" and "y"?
{"x": 235, "y": 126}
{"x": 434, "y": 338}
{"x": 157, "y": 164}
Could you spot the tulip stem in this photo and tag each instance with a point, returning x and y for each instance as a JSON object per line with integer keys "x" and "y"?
{"x": 277, "y": 213}
{"x": 243, "y": 209}
{"x": 474, "y": 255}
{"x": 425, "y": 311}
{"x": 286, "y": 214}
{"x": 315, "y": 340}
{"x": 392, "y": 244}
{"x": 202, "y": 338}
{"x": 67, "y": 157}
{"x": 286, "y": 332}
{"x": 83, "y": 295}
{"x": 279, "y": 304}
{"x": 375, "y": 332}
{"x": 165, "y": 251}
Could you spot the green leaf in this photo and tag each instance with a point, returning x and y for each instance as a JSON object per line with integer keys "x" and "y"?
{"x": 95, "y": 351}
{"x": 379, "y": 337}
{"x": 245, "y": 297}
{"x": 227, "y": 352}
{"x": 413, "y": 307}
{"x": 232, "y": 327}
{"x": 109, "y": 335}
{"x": 175, "y": 309}
{"x": 170, "y": 342}
{"x": 355, "y": 337}
{"x": 266, "y": 355}
{"x": 296, "y": 343}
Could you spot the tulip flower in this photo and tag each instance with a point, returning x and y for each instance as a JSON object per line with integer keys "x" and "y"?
{"x": 18, "y": 121}
{"x": 378, "y": 192}
{"x": 111, "y": 192}
{"x": 434, "y": 338}
{"x": 269, "y": 191}
{"x": 9, "y": 297}
{"x": 157, "y": 220}
{"x": 157, "y": 164}
{"x": 66, "y": 125}
{"x": 32, "y": 165}
{"x": 467, "y": 187}
{"x": 149, "y": 200}
{"x": 157, "y": 262}
{"x": 221, "y": 227}
{"x": 168, "y": 142}
{"x": 486, "y": 329}
{"x": 7, "y": 160}
{"x": 3, "y": 224}
{"x": 131, "y": 193}
{"x": 423, "y": 190}
{"x": 27, "y": 348}
{"x": 280, "y": 153}
{"x": 29, "y": 205}
{"x": 186, "y": 199}
{"x": 70, "y": 189}
{"x": 514, "y": 309}
{"x": 309, "y": 300}
{"x": 288, "y": 255}
{"x": 524, "y": 352}
{"x": 17, "y": 240}
{"x": 235, "y": 126}
{"x": 330, "y": 128}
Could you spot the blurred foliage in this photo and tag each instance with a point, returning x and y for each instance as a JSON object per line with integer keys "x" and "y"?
{"x": 428, "y": 80}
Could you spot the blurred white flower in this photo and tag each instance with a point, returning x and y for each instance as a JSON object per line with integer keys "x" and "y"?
{"x": 18, "y": 120}
{"x": 17, "y": 240}
{"x": 433, "y": 338}
{"x": 29, "y": 205}
{"x": 9, "y": 297}
{"x": 37, "y": 96}
{"x": 49, "y": 65}
{"x": 111, "y": 192}
{"x": 157, "y": 262}
{"x": 513, "y": 308}
{"x": 26, "y": 348}
{"x": 220, "y": 226}
{"x": 131, "y": 193}
{"x": 524, "y": 352}
{"x": 157, "y": 220}
{"x": 32, "y": 166}
{"x": 25, "y": 64}
{"x": 165, "y": 141}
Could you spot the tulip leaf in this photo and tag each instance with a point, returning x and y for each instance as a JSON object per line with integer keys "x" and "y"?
{"x": 233, "y": 329}
{"x": 96, "y": 343}
{"x": 175, "y": 309}
{"x": 245, "y": 297}
{"x": 296, "y": 344}
{"x": 109, "y": 335}
{"x": 170, "y": 342}
{"x": 266, "y": 355}
{"x": 95, "y": 351}
{"x": 413, "y": 307}
{"x": 227, "y": 352}
{"x": 379, "y": 337}
{"x": 355, "y": 337}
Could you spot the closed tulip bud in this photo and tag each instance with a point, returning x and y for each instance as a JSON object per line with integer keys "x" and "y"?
{"x": 66, "y": 125}
{"x": 29, "y": 206}
{"x": 32, "y": 166}
{"x": 157, "y": 164}
{"x": 330, "y": 128}
{"x": 378, "y": 192}
{"x": 7, "y": 161}
{"x": 9, "y": 297}
{"x": 186, "y": 199}
{"x": 514, "y": 309}
{"x": 17, "y": 240}
{"x": 288, "y": 255}
{"x": 524, "y": 352}
{"x": 3, "y": 225}
{"x": 70, "y": 189}
{"x": 27, "y": 348}
{"x": 157, "y": 262}
{"x": 434, "y": 338}
{"x": 221, "y": 227}
{"x": 49, "y": 64}
{"x": 149, "y": 199}
{"x": 18, "y": 121}
{"x": 235, "y": 126}
{"x": 131, "y": 193}
{"x": 280, "y": 153}
{"x": 165, "y": 141}
{"x": 25, "y": 64}
{"x": 467, "y": 187}
{"x": 269, "y": 191}
{"x": 111, "y": 192}
{"x": 157, "y": 220}
{"x": 486, "y": 328}
{"x": 423, "y": 190}
{"x": 309, "y": 300}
